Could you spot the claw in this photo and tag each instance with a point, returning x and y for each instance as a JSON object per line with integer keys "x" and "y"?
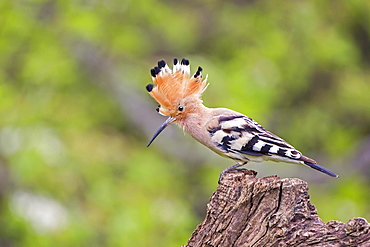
{"x": 233, "y": 168}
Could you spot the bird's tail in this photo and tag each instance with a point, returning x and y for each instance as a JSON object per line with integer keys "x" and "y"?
{"x": 321, "y": 169}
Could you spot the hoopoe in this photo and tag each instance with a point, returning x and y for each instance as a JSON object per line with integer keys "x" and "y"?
{"x": 226, "y": 132}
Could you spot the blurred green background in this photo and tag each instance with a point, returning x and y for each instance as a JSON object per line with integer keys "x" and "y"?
{"x": 75, "y": 117}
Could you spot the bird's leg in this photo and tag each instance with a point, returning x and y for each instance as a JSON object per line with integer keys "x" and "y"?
{"x": 233, "y": 168}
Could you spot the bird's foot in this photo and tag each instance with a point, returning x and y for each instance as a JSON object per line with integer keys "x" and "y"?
{"x": 233, "y": 168}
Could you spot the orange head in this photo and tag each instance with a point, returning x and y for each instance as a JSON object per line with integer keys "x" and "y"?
{"x": 175, "y": 91}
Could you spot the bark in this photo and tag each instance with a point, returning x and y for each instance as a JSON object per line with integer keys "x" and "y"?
{"x": 250, "y": 211}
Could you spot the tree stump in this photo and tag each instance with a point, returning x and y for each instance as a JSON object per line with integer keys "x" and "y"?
{"x": 250, "y": 211}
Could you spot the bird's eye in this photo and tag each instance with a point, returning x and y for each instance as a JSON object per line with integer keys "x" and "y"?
{"x": 180, "y": 108}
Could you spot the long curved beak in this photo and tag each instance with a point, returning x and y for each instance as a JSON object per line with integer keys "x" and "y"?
{"x": 163, "y": 126}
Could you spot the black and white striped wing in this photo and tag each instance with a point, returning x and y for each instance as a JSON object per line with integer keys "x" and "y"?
{"x": 241, "y": 134}
{"x": 241, "y": 138}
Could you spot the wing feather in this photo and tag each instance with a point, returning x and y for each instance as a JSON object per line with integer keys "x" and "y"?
{"x": 241, "y": 134}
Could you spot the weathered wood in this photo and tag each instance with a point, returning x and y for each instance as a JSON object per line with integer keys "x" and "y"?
{"x": 250, "y": 211}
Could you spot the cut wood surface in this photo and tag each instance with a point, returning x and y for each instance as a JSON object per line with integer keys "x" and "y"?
{"x": 270, "y": 211}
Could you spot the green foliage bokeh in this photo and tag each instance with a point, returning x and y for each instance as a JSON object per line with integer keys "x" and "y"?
{"x": 74, "y": 169}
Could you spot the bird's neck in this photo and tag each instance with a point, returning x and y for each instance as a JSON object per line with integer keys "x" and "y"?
{"x": 195, "y": 120}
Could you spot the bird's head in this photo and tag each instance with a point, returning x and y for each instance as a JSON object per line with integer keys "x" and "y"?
{"x": 176, "y": 92}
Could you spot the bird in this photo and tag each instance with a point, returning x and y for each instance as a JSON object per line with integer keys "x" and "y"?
{"x": 226, "y": 132}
